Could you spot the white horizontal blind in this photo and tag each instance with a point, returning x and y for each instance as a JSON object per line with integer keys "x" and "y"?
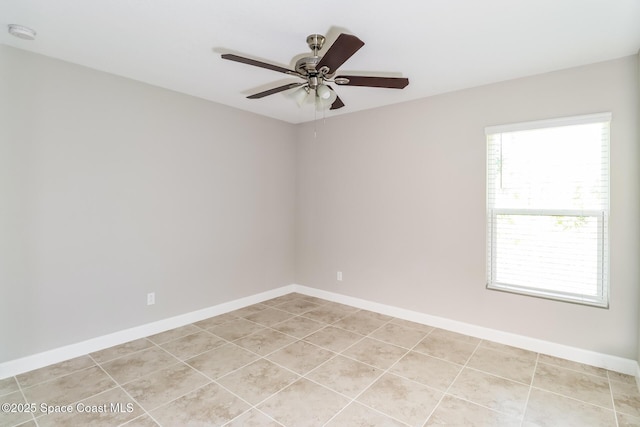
{"x": 548, "y": 208}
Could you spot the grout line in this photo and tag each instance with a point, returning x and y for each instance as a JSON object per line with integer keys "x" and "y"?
{"x": 384, "y": 371}
{"x": 446, "y": 392}
{"x": 125, "y": 391}
{"x": 33, "y": 416}
{"x": 574, "y": 399}
{"x": 497, "y": 376}
{"x": 249, "y": 410}
{"x": 123, "y": 355}
{"x": 55, "y": 377}
{"x": 576, "y": 370}
{"x": 526, "y": 404}
{"x": 613, "y": 400}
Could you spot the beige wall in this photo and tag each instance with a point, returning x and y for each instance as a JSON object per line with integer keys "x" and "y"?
{"x": 110, "y": 189}
{"x": 395, "y": 199}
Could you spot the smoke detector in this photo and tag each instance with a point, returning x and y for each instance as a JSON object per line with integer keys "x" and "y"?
{"x": 22, "y": 32}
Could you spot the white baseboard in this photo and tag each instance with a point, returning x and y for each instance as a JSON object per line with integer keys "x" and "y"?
{"x": 39, "y": 360}
{"x": 638, "y": 375}
{"x": 601, "y": 360}
{"x": 28, "y": 363}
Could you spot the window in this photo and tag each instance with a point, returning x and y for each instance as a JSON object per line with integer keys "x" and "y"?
{"x": 548, "y": 208}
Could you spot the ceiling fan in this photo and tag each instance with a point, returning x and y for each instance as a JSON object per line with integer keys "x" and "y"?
{"x": 316, "y": 71}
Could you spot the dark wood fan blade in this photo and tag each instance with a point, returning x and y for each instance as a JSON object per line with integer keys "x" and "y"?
{"x": 341, "y": 50}
{"x": 386, "y": 82}
{"x": 337, "y": 103}
{"x": 275, "y": 90}
{"x": 236, "y": 58}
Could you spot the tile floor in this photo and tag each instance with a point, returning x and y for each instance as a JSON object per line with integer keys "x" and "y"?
{"x": 301, "y": 361}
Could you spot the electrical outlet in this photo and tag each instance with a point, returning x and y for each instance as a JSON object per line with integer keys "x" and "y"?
{"x": 151, "y": 298}
{"x": 339, "y": 276}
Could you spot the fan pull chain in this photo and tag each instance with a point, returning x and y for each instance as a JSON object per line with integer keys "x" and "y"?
{"x": 315, "y": 123}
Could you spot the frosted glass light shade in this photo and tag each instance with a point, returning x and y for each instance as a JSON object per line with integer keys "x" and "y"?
{"x": 323, "y": 92}
{"x": 300, "y": 95}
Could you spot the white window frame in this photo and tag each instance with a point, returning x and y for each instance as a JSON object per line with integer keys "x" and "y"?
{"x": 602, "y": 216}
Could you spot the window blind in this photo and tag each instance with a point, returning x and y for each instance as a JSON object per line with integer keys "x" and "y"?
{"x": 548, "y": 208}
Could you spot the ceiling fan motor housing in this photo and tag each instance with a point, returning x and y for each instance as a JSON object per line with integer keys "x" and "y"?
{"x": 315, "y": 42}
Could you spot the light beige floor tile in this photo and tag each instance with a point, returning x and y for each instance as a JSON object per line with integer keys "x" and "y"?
{"x": 584, "y": 387}
{"x": 282, "y": 299}
{"x": 304, "y": 403}
{"x": 173, "y": 334}
{"x": 314, "y": 300}
{"x": 491, "y": 345}
{"x": 249, "y": 310}
{"x": 574, "y": 366}
{"x": 627, "y": 421}
{"x": 345, "y": 375}
{"x": 301, "y": 357}
{"x": 215, "y": 321}
{"x": 107, "y": 409}
{"x": 427, "y": 370}
{"x": 405, "y": 400}
{"x": 333, "y": 339}
{"x": 8, "y": 385}
{"x": 499, "y": 394}
{"x": 136, "y": 365}
{"x": 550, "y": 410}
{"x": 206, "y": 406}
{"x": 14, "y": 416}
{"x": 412, "y": 325}
{"x": 192, "y": 345}
{"x": 270, "y": 316}
{"x": 446, "y": 348}
{"x": 398, "y": 335}
{"x": 253, "y": 418}
{"x": 298, "y": 306}
{"x": 70, "y": 388}
{"x": 54, "y": 371}
{"x": 258, "y": 380}
{"x": 375, "y": 353}
{"x": 455, "y": 412}
{"x": 265, "y": 341}
{"x": 235, "y": 329}
{"x": 298, "y": 326}
{"x": 142, "y": 421}
{"x": 621, "y": 378}
{"x": 328, "y": 313}
{"x": 357, "y": 415}
{"x": 490, "y": 391}
{"x": 222, "y": 360}
{"x": 338, "y": 306}
{"x": 362, "y": 322}
{"x": 510, "y": 366}
{"x": 450, "y": 335}
{"x": 165, "y": 385}
{"x": 626, "y": 398}
{"x": 121, "y": 350}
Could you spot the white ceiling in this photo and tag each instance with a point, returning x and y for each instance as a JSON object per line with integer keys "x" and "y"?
{"x": 440, "y": 45}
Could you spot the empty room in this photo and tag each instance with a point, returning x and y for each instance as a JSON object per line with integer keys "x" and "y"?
{"x": 319, "y": 214}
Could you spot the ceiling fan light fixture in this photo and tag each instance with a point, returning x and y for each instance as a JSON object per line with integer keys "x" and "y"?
{"x": 317, "y": 71}
{"x": 300, "y": 95}
{"x": 324, "y": 103}
{"x": 323, "y": 91}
